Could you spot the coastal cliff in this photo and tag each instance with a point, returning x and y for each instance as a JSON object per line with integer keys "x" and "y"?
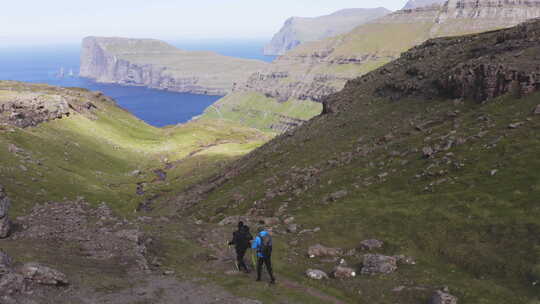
{"x": 314, "y": 70}
{"x": 298, "y": 30}
{"x": 156, "y": 64}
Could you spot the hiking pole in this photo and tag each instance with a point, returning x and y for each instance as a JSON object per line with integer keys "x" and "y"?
{"x": 234, "y": 259}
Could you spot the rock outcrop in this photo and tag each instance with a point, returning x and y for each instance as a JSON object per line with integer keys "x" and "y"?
{"x": 322, "y": 251}
{"x": 23, "y": 105}
{"x": 298, "y": 30}
{"x": 156, "y": 64}
{"x": 5, "y": 223}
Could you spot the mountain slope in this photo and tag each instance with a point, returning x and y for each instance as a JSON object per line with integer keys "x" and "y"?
{"x": 435, "y": 154}
{"x": 64, "y": 143}
{"x": 156, "y": 64}
{"x": 298, "y": 30}
{"x": 316, "y": 69}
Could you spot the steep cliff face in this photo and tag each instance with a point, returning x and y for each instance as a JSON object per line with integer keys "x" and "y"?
{"x": 316, "y": 69}
{"x": 155, "y": 64}
{"x": 412, "y": 4}
{"x": 298, "y": 30}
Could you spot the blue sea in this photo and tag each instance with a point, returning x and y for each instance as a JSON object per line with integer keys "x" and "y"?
{"x": 158, "y": 108}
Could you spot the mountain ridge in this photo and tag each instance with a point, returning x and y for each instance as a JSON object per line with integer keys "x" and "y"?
{"x": 298, "y": 30}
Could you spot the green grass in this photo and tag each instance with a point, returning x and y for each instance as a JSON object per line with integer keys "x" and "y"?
{"x": 257, "y": 111}
{"x": 476, "y": 233}
{"x": 94, "y": 156}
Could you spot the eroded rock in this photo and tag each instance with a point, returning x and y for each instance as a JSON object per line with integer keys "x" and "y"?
{"x": 322, "y": 251}
{"x": 43, "y": 275}
{"x": 378, "y": 264}
{"x": 316, "y": 274}
{"x": 537, "y": 110}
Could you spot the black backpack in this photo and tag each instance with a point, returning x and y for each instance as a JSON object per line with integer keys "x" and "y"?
{"x": 266, "y": 246}
{"x": 244, "y": 237}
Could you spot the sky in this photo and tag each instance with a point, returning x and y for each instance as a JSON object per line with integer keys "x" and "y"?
{"x": 68, "y": 21}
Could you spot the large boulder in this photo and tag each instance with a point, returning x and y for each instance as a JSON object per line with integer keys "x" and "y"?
{"x": 378, "y": 264}
{"x": 316, "y": 274}
{"x": 322, "y": 251}
{"x": 5, "y": 223}
{"x": 443, "y": 297}
{"x": 537, "y": 110}
{"x": 43, "y": 275}
{"x": 342, "y": 272}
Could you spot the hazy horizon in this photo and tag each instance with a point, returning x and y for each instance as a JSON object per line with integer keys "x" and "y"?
{"x": 67, "y": 22}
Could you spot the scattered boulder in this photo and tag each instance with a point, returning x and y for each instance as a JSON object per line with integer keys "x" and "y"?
{"x": 5, "y": 223}
{"x": 537, "y": 110}
{"x": 292, "y": 228}
{"x": 322, "y": 251}
{"x": 428, "y": 152}
{"x": 342, "y": 272}
{"x": 515, "y": 125}
{"x": 371, "y": 244}
{"x": 11, "y": 283}
{"x": 316, "y": 274}
{"x": 443, "y": 297}
{"x": 377, "y": 263}
{"x": 337, "y": 195}
{"x": 405, "y": 260}
{"x": 43, "y": 275}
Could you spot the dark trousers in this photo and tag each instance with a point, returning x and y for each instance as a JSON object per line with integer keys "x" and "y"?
{"x": 240, "y": 253}
{"x": 266, "y": 261}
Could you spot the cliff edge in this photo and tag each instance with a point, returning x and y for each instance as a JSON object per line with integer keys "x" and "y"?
{"x": 156, "y": 64}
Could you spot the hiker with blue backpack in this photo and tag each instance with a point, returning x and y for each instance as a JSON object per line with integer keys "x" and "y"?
{"x": 263, "y": 247}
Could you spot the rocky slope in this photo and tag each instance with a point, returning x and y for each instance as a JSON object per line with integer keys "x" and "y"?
{"x": 432, "y": 156}
{"x": 316, "y": 69}
{"x": 298, "y": 30}
{"x": 155, "y": 64}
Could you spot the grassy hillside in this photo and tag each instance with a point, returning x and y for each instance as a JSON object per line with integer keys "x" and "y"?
{"x": 95, "y": 155}
{"x": 453, "y": 182}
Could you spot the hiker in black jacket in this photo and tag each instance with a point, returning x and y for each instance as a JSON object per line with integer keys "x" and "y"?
{"x": 241, "y": 241}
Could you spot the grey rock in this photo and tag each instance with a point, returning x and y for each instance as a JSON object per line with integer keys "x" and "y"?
{"x": 337, "y": 195}
{"x": 537, "y": 110}
{"x": 43, "y": 275}
{"x": 371, "y": 244}
{"x": 515, "y": 125}
{"x": 316, "y": 274}
{"x": 342, "y": 272}
{"x": 292, "y": 228}
{"x": 441, "y": 297}
{"x": 378, "y": 264}
{"x": 405, "y": 260}
{"x": 322, "y": 251}
{"x": 428, "y": 152}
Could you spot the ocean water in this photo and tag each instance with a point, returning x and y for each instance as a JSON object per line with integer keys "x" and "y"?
{"x": 158, "y": 108}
